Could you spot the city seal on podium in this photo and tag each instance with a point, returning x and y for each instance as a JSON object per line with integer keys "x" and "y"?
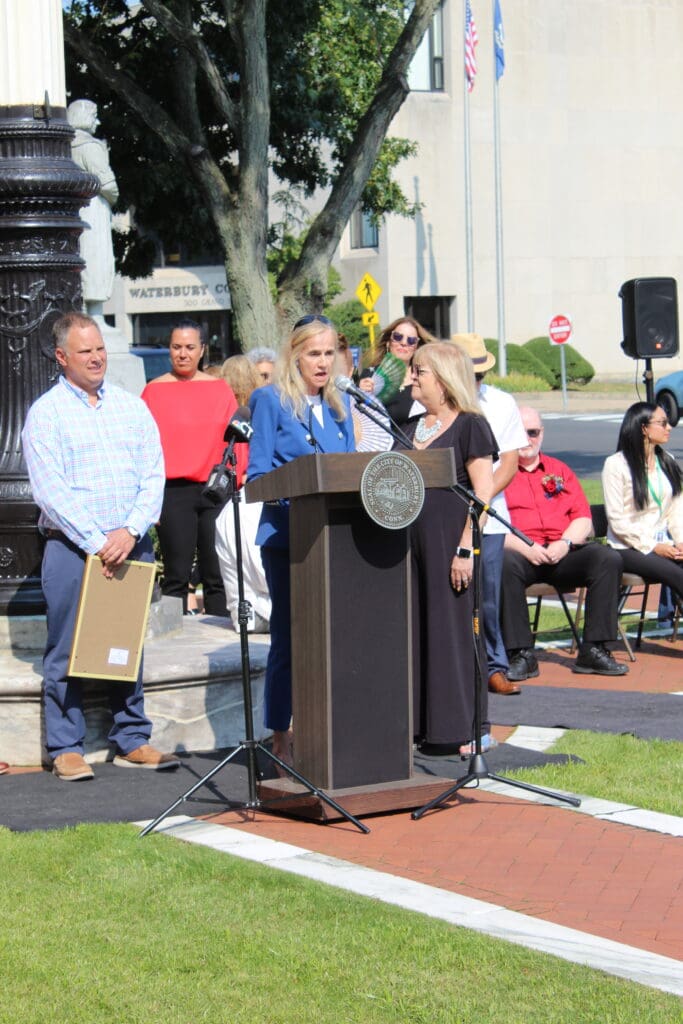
{"x": 392, "y": 490}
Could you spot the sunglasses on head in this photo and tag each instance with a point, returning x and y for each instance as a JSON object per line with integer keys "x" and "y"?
{"x": 535, "y": 432}
{"x": 409, "y": 339}
{"x": 310, "y": 318}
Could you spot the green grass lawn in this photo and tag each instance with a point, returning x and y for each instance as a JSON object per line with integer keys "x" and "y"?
{"x": 101, "y": 926}
{"x": 619, "y": 767}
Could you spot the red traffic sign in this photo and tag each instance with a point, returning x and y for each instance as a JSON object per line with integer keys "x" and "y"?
{"x": 560, "y": 330}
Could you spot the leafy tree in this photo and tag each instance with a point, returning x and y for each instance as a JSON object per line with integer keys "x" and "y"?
{"x": 201, "y": 99}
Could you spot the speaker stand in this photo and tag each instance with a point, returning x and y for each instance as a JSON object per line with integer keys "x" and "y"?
{"x": 649, "y": 382}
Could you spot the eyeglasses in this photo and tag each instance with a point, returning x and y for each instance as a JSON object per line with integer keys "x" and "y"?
{"x": 408, "y": 339}
{"x": 660, "y": 423}
{"x": 310, "y": 318}
{"x": 536, "y": 432}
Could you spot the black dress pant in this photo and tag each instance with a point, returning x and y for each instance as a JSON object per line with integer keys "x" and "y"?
{"x": 594, "y": 566}
{"x": 654, "y": 569}
{"x": 188, "y": 524}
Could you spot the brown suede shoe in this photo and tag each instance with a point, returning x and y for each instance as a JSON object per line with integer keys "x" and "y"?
{"x": 146, "y": 757}
{"x": 499, "y": 684}
{"x": 71, "y": 767}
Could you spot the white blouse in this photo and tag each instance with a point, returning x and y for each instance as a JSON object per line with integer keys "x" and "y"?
{"x": 629, "y": 527}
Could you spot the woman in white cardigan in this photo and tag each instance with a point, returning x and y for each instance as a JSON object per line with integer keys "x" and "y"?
{"x": 642, "y": 485}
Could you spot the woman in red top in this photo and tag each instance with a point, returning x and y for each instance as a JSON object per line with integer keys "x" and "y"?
{"x": 192, "y": 411}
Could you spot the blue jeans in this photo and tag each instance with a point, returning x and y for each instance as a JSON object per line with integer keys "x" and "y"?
{"x": 491, "y": 576}
{"x": 62, "y": 572}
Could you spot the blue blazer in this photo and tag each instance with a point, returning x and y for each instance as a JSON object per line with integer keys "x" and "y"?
{"x": 280, "y": 437}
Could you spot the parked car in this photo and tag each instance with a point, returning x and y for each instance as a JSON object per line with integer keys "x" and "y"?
{"x": 669, "y": 395}
{"x": 155, "y": 360}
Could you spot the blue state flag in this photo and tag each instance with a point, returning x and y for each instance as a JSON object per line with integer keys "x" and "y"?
{"x": 498, "y": 40}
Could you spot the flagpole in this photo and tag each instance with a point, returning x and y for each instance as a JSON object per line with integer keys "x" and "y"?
{"x": 500, "y": 269}
{"x": 469, "y": 263}
{"x": 468, "y": 216}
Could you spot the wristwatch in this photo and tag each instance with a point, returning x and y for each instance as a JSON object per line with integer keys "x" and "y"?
{"x": 463, "y": 552}
{"x": 133, "y": 532}
{"x": 568, "y": 542}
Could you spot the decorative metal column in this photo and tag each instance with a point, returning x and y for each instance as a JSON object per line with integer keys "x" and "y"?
{"x": 41, "y": 192}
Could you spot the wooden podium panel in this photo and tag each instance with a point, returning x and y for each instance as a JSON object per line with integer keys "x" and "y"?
{"x": 351, "y": 624}
{"x": 351, "y": 651}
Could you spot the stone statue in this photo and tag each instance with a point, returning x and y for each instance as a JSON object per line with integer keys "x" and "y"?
{"x": 92, "y": 155}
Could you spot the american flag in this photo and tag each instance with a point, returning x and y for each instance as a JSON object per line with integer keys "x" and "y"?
{"x": 471, "y": 40}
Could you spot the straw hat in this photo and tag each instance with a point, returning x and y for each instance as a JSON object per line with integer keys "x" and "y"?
{"x": 474, "y": 345}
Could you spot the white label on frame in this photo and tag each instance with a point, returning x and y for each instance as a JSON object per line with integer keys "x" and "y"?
{"x": 118, "y": 656}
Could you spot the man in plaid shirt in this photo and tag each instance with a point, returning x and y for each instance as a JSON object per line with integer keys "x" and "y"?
{"x": 96, "y": 470}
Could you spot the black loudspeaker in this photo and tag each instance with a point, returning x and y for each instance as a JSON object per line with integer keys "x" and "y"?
{"x": 649, "y": 309}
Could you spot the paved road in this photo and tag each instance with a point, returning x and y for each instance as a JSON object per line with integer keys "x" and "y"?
{"x": 584, "y": 441}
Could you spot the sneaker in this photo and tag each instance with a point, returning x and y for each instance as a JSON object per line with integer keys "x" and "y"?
{"x": 71, "y": 767}
{"x": 523, "y": 665}
{"x": 4, "y": 767}
{"x": 146, "y": 757}
{"x": 595, "y": 659}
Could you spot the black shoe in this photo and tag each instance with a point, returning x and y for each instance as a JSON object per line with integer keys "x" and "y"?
{"x": 595, "y": 659}
{"x": 523, "y": 665}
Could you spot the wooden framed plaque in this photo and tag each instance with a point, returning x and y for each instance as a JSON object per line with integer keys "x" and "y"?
{"x": 111, "y": 621}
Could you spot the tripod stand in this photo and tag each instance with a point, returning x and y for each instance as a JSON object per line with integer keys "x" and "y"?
{"x": 250, "y": 744}
{"x": 478, "y": 768}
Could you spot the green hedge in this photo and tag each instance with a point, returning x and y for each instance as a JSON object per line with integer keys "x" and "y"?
{"x": 579, "y": 370}
{"x": 521, "y": 361}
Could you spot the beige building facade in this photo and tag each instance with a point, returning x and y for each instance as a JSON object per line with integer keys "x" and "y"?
{"x": 591, "y": 129}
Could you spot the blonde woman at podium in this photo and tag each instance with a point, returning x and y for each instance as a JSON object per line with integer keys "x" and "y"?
{"x": 302, "y": 412}
{"x": 444, "y": 668}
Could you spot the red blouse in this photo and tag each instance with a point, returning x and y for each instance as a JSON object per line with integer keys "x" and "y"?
{"x": 192, "y": 417}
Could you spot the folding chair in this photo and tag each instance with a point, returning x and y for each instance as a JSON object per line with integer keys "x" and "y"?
{"x": 537, "y": 591}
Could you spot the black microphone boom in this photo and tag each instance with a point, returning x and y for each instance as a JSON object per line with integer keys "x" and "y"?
{"x": 347, "y": 385}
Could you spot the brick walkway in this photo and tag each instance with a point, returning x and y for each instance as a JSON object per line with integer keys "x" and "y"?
{"x": 548, "y": 861}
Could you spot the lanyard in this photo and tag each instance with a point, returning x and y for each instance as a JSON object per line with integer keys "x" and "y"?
{"x": 658, "y": 498}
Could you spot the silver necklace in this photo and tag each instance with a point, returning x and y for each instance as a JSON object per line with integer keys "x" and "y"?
{"x": 423, "y": 432}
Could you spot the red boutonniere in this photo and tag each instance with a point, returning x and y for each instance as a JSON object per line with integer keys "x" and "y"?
{"x": 552, "y": 485}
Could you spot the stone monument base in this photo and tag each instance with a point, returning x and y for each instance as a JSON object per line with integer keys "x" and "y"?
{"x": 193, "y": 687}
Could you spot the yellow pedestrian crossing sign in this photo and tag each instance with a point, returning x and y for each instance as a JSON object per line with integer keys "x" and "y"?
{"x": 368, "y": 291}
{"x": 370, "y": 319}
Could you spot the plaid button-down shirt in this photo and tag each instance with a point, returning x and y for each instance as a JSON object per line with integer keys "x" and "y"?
{"x": 93, "y": 468}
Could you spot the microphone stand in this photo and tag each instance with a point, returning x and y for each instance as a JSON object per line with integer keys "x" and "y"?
{"x": 478, "y": 768}
{"x": 250, "y": 744}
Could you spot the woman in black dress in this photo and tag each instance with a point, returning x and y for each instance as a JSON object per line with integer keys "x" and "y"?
{"x": 441, "y": 545}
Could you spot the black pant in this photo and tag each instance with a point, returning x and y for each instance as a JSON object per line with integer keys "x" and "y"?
{"x": 654, "y": 569}
{"x": 188, "y": 524}
{"x": 593, "y": 566}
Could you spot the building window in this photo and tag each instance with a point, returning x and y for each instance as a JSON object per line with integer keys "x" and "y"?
{"x": 426, "y": 70}
{"x": 433, "y": 312}
{"x": 364, "y": 234}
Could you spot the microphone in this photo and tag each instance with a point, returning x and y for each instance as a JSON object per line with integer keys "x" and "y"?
{"x": 347, "y": 385}
{"x": 239, "y": 428}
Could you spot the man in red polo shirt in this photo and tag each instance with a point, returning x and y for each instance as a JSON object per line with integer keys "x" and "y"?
{"x": 545, "y": 501}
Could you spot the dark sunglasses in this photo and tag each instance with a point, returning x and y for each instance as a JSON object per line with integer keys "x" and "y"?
{"x": 310, "y": 318}
{"x": 534, "y": 433}
{"x": 410, "y": 339}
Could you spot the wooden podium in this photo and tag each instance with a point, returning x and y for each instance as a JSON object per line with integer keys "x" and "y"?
{"x": 351, "y": 634}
